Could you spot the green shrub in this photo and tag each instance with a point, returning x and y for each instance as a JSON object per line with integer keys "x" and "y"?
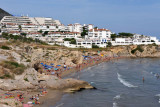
{"x": 95, "y": 46}
{"x": 133, "y": 51}
{"x": 5, "y": 47}
{"x": 139, "y": 48}
{"x": 6, "y": 103}
{"x": 26, "y": 79}
{"x": 72, "y": 40}
{"x": 28, "y": 60}
{"x": 22, "y": 38}
{"x": 109, "y": 44}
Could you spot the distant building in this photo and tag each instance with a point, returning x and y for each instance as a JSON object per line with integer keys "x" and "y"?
{"x": 29, "y": 20}
{"x": 75, "y": 27}
{"x": 102, "y": 34}
{"x": 136, "y": 40}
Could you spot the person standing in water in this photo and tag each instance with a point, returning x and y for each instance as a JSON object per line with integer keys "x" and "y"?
{"x": 143, "y": 79}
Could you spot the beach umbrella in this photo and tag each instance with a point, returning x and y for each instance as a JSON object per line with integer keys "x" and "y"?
{"x": 7, "y": 94}
{"x": 52, "y": 64}
{"x": 55, "y": 68}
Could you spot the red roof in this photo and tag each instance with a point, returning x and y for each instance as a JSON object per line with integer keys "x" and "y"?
{"x": 34, "y": 33}
{"x": 63, "y": 33}
{"x": 14, "y": 32}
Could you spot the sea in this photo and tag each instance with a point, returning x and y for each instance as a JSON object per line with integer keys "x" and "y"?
{"x": 119, "y": 83}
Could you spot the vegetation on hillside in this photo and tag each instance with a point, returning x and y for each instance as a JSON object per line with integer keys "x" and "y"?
{"x": 22, "y": 38}
{"x": 139, "y": 48}
{"x": 14, "y": 67}
{"x": 5, "y": 47}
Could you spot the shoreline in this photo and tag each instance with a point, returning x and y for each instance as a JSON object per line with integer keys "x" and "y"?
{"x": 67, "y": 73}
{"x": 55, "y": 96}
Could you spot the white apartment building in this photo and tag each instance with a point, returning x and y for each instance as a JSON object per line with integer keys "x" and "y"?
{"x": 10, "y": 27}
{"x": 87, "y": 43}
{"x": 136, "y": 40}
{"x": 101, "y": 34}
{"x": 54, "y": 37}
{"x": 122, "y": 41}
{"x": 30, "y": 20}
{"x": 21, "y": 28}
{"x": 88, "y": 27}
{"x": 75, "y": 27}
{"x": 28, "y": 28}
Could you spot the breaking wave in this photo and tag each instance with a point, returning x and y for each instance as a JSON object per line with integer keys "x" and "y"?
{"x": 124, "y": 82}
{"x": 117, "y": 97}
{"x": 115, "y": 104}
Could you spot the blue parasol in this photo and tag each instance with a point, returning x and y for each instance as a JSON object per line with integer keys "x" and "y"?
{"x": 52, "y": 64}
{"x": 55, "y": 68}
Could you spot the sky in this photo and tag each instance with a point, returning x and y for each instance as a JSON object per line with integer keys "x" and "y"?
{"x": 133, "y": 16}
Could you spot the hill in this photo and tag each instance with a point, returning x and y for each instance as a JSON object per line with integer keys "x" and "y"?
{"x": 3, "y": 13}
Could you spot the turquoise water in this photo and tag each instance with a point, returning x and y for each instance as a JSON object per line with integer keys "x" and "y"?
{"x": 119, "y": 84}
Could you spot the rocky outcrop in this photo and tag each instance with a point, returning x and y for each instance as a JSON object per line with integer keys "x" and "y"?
{"x": 10, "y": 103}
{"x": 146, "y": 51}
{"x": 68, "y": 85}
{"x": 28, "y": 80}
{"x": 31, "y": 79}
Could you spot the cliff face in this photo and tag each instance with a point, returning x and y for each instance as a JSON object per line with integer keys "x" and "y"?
{"x": 137, "y": 51}
{"x": 3, "y": 13}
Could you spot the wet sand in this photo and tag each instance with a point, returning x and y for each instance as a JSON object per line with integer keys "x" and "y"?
{"x": 52, "y": 97}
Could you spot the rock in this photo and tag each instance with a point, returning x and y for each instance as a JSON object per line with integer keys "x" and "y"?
{"x": 65, "y": 84}
{"x": 10, "y": 103}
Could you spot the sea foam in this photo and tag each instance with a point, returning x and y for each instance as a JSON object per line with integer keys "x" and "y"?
{"x": 115, "y": 104}
{"x": 124, "y": 82}
{"x": 158, "y": 95}
{"x": 117, "y": 97}
{"x": 60, "y": 105}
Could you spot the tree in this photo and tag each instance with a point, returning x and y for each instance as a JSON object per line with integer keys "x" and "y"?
{"x": 23, "y": 34}
{"x": 123, "y": 34}
{"x": 85, "y": 32}
{"x": 109, "y": 44}
{"x": 40, "y": 31}
{"x": 45, "y": 33}
{"x": 96, "y": 27}
{"x": 113, "y": 36}
{"x": 20, "y": 27}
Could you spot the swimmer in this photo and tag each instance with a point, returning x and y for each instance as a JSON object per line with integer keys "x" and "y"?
{"x": 143, "y": 79}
